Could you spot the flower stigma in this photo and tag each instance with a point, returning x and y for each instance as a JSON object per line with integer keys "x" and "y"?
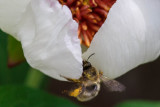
{"x": 90, "y": 15}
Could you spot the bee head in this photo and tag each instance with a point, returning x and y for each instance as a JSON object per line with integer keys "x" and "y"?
{"x": 86, "y": 65}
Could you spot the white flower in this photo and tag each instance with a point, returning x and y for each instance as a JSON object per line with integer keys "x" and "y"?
{"x": 129, "y": 37}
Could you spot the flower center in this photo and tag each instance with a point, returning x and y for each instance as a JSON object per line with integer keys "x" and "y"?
{"x": 90, "y": 15}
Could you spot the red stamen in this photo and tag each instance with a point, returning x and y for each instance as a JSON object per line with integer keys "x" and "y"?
{"x": 84, "y": 26}
{"x": 78, "y": 14}
{"x": 101, "y": 12}
{"x": 93, "y": 3}
{"x": 90, "y": 15}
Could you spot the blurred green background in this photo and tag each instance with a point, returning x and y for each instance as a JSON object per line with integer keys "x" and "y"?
{"x": 23, "y": 86}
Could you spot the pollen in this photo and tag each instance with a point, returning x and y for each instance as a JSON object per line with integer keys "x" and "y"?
{"x": 75, "y": 92}
{"x": 90, "y": 15}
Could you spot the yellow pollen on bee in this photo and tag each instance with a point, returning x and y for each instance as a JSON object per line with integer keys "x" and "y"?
{"x": 90, "y": 15}
{"x": 75, "y": 92}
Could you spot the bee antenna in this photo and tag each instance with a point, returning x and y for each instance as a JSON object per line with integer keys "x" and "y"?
{"x": 90, "y": 56}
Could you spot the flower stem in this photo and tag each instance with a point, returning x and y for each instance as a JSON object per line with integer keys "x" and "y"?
{"x": 34, "y": 78}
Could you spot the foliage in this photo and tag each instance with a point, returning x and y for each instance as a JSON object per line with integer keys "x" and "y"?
{"x": 139, "y": 103}
{"x": 13, "y": 75}
{"x": 20, "y": 96}
{"x": 15, "y": 53}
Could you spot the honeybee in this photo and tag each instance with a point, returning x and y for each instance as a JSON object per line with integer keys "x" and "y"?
{"x": 88, "y": 85}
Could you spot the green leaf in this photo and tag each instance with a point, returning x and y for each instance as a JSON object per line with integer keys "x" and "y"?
{"x": 14, "y": 75}
{"x": 20, "y": 96}
{"x": 15, "y": 53}
{"x": 34, "y": 78}
{"x": 139, "y": 103}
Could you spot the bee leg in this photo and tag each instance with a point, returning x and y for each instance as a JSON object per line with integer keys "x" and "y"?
{"x": 70, "y": 79}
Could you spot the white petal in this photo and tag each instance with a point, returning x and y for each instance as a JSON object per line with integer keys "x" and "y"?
{"x": 49, "y": 39}
{"x": 11, "y": 12}
{"x": 129, "y": 37}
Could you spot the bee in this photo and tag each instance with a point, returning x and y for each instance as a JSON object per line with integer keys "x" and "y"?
{"x": 88, "y": 85}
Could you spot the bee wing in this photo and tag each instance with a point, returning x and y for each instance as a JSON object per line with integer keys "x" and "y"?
{"x": 112, "y": 85}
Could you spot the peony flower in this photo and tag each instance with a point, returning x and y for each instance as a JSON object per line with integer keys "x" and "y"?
{"x": 48, "y": 33}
